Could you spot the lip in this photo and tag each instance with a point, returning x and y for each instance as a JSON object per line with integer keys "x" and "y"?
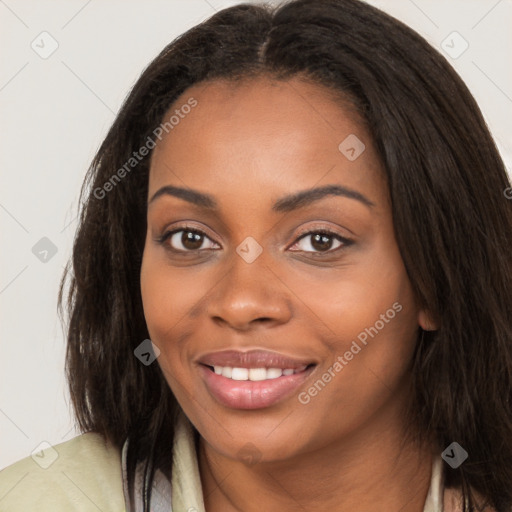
{"x": 247, "y": 394}
{"x": 253, "y": 359}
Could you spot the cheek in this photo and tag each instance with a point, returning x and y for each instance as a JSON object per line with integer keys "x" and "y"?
{"x": 377, "y": 353}
{"x": 367, "y": 368}
{"x": 168, "y": 295}
{"x": 352, "y": 298}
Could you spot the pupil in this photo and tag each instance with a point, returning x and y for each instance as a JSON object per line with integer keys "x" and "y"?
{"x": 321, "y": 242}
{"x": 191, "y": 240}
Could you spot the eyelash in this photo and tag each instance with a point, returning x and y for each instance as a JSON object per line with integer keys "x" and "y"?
{"x": 320, "y": 231}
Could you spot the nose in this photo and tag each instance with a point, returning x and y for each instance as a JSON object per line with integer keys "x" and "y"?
{"x": 250, "y": 295}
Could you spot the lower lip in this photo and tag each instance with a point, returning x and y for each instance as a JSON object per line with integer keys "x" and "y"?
{"x": 247, "y": 394}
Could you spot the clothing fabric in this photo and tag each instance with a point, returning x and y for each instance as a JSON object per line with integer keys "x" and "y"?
{"x": 85, "y": 477}
{"x": 89, "y": 474}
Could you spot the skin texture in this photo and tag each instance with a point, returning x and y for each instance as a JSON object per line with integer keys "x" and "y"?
{"x": 248, "y": 145}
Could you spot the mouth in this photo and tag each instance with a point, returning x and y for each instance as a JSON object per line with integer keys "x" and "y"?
{"x": 255, "y": 384}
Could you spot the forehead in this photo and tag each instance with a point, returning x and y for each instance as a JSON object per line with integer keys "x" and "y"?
{"x": 266, "y": 135}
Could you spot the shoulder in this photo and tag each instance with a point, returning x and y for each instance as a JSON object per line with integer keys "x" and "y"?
{"x": 81, "y": 474}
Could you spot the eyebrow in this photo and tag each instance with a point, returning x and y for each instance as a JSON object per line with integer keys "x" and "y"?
{"x": 284, "y": 204}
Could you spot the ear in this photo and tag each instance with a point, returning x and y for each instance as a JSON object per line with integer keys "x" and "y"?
{"x": 426, "y": 321}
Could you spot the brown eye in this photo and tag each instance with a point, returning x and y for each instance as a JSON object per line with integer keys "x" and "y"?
{"x": 191, "y": 240}
{"x": 187, "y": 240}
{"x": 320, "y": 242}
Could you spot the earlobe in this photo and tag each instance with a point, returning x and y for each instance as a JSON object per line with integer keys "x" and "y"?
{"x": 426, "y": 322}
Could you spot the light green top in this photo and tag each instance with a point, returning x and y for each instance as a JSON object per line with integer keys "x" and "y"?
{"x": 87, "y": 476}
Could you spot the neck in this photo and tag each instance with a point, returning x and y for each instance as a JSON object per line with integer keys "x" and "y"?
{"x": 368, "y": 471}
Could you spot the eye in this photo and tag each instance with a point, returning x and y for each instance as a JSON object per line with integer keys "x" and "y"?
{"x": 320, "y": 242}
{"x": 191, "y": 240}
{"x": 187, "y": 240}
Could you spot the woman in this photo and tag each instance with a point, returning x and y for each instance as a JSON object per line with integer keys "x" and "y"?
{"x": 291, "y": 285}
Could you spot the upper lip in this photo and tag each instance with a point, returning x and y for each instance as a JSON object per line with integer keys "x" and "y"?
{"x": 253, "y": 359}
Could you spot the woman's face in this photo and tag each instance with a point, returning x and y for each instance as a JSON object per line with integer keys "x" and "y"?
{"x": 266, "y": 273}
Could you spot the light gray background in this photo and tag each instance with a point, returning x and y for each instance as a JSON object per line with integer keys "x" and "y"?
{"x": 56, "y": 111}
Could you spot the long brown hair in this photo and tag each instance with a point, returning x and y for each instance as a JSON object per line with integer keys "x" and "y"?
{"x": 453, "y": 227}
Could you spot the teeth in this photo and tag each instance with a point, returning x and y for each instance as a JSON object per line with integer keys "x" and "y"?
{"x": 255, "y": 374}
{"x": 274, "y": 373}
{"x": 227, "y": 371}
{"x": 240, "y": 374}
